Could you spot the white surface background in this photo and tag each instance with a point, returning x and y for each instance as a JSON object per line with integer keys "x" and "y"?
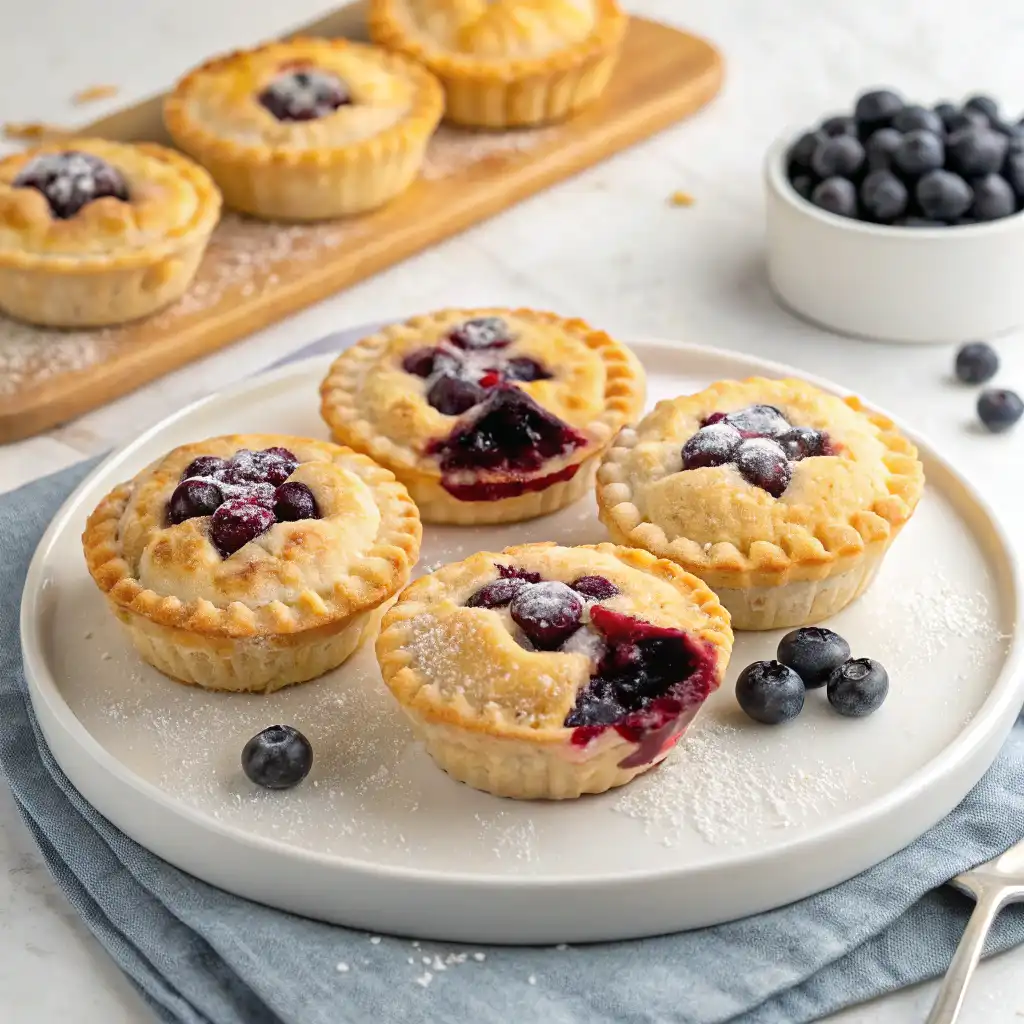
{"x": 605, "y": 246}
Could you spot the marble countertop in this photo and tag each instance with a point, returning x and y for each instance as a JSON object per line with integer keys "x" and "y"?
{"x": 605, "y": 245}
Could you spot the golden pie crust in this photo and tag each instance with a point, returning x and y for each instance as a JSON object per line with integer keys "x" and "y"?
{"x": 285, "y": 608}
{"x": 113, "y": 260}
{"x": 507, "y": 63}
{"x": 774, "y": 562}
{"x": 374, "y": 406}
{"x": 352, "y": 160}
{"x": 491, "y": 712}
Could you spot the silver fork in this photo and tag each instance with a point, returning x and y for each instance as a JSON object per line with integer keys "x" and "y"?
{"x": 994, "y": 885}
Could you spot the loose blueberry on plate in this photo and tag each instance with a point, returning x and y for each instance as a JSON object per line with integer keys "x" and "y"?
{"x": 976, "y": 363}
{"x": 993, "y": 198}
{"x": 918, "y": 153}
{"x": 883, "y": 197}
{"x": 842, "y": 156}
{"x": 880, "y": 147}
{"x": 814, "y": 653}
{"x": 858, "y": 688}
{"x": 877, "y": 108}
{"x": 836, "y": 195}
{"x": 943, "y": 196}
{"x": 770, "y": 692}
{"x": 280, "y": 757}
{"x": 999, "y": 409}
{"x": 548, "y": 613}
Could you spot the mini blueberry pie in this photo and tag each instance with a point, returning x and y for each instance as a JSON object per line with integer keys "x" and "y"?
{"x": 507, "y": 63}
{"x": 251, "y": 562}
{"x": 307, "y": 129}
{"x": 94, "y": 233}
{"x": 782, "y": 498}
{"x": 487, "y": 416}
{"x": 547, "y": 672}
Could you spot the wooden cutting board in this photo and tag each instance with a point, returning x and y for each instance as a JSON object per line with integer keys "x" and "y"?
{"x": 257, "y": 273}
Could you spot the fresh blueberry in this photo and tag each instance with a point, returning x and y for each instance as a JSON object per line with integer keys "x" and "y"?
{"x": 758, "y": 420}
{"x": 596, "y": 588}
{"x": 841, "y": 156}
{"x": 813, "y": 652}
{"x": 803, "y": 185}
{"x": 946, "y": 111}
{"x": 763, "y": 463}
{"x": 839, "y": 124}
{"x": 858, "y": 688}
{"x": 770, "y": 692}
{"x": 877, "y": 108}
{"x": 193, "y": 498}
{"x": 1013, "y": 172}
{"x": 548, "y": 613}
{"x": 976, "y": 363}
{"x": 993, "y": 198}
{"x": 496, "y": 594}
{"x": 883, "y": 197}
{"x": 976, "y": 151}
{"x": 237, "y": 522}
{"x": 277, "y": 758}
{"x": 999, "y": 409}
{"x": 983, "y": 105}
{"x": 801, "y": 152}
{"x": 453, "y": 395}
{"x": 943, "y": 196}
{"x": 918, "y": 153}
{"x": 965, "y": 119}
{"x": 714, "y": 445}
{"x": 836, "y": 195}
{"x": 526, "y": 369}
{"x": 880, "y": 147}
{"x": 803, "y": 443}
{"x": 294, "y": 501}
{"x": 913, "y": 117}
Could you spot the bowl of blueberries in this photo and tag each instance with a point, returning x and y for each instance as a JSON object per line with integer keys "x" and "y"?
{"x": 901, "y": 222}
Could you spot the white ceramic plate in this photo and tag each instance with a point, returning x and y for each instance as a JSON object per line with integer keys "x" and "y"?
{"x": 743, "y": 817}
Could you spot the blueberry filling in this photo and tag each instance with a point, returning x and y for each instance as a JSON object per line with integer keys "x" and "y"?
{"x": 759, "y": 441}
{"x": 245, "y": 495}
{"x": 72, "y": 179}
{"x": 648, "y": 681}
{"x": 304, "y": 95}
{"x": 468, "y": 363}
{"x": 508, "y": 434}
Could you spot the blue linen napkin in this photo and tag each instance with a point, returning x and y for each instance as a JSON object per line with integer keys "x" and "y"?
{"x": 201, "y": 956}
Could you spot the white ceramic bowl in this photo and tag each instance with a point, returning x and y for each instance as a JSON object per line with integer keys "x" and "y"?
{"x": 926, "y": 285}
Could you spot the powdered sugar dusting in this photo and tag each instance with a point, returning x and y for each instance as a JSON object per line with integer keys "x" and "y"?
{"x": 720, "y": 790}
{"x": 453, "y": 150}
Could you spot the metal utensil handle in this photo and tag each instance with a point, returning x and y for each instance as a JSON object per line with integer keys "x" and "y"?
{"x": 950, "y": 999}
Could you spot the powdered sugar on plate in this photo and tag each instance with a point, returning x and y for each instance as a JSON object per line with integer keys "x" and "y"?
{"x": 453, "y": 150}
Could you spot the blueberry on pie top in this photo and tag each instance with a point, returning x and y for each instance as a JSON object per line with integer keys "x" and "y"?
{"x": 95, "y": 233}
{"x": 250, "y": 562}
{"x": 548, "y": 672}
{"x": 507, "y": 63}
{"x": 781, "y": 497}
{"x": 486, "y": 415}
{"x": 309, "y": 128}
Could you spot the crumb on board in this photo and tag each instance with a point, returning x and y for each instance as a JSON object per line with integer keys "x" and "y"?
{"x": 680, "y": 198}
{"x": 32, "y": 131}
{"x": 92, "y": 93}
